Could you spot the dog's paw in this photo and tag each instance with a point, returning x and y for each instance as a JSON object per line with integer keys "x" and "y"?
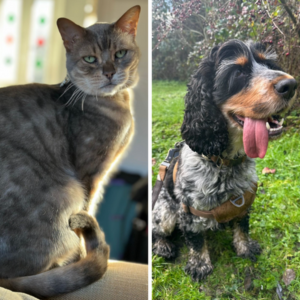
{"x": 248, "y": 249}
{"x": 164, "y": 248}
{"x": 198, "y": 270}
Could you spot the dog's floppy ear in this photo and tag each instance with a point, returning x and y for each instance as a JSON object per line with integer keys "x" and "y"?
{"x": 259, "y": 47}
{"x": 204, "y": 127}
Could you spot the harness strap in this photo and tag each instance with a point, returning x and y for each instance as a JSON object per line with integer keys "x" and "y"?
{"x": 228, "y": 210}
{"x": 155, "y": 192}
{"x": 163, "y": 168}
{"x": 175, "y": 172}
{"x": 158, "y": 184}
{"x": 236, "y": 206}
{"x": 162, "y": 172}
{"x": 198, "y": 213}
{"x": 227, "y": 162}
{"x": 173, "y": 153}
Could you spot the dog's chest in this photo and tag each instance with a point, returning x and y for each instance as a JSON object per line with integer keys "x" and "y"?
{"x": 204, "y": 186}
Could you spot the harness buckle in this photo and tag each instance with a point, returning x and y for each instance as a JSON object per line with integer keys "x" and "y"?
{"x": 164, "y": 163}
{"x": 236, "y": 199}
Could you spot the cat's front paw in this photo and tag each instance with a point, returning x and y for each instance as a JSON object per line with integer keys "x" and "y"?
{"x": 248, "y": 249}
{"x": 198, "y": 269}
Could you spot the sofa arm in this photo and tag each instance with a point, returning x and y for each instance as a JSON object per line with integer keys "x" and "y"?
{"x": 122, "y": 281}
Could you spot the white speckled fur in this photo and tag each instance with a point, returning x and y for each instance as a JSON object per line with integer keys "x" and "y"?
{"x": 210, "y": 185}
{"x": 204, "y": 186}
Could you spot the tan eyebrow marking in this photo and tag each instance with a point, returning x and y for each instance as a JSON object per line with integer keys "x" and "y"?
{"x": 242, "y": 60}
{"x": 261, "y": 56}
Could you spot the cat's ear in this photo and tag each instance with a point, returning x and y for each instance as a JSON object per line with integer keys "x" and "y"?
{"x": 129, "y": 21}
{"x": 70, "y": 32}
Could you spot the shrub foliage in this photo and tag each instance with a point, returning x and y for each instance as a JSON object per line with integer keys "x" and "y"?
{"x": 185, "y": 30}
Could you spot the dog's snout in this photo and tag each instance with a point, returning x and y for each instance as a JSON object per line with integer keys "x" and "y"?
{"x": 286, "y": 88}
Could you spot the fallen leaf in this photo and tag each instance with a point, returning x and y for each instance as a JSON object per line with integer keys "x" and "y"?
{"x": 268, "y": 171}
{"x": 248, "y": 283}
{"x": 288, "y": 276}
{"x": 248, "y": 280}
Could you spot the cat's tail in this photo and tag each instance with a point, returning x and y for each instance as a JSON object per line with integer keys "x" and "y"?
{"x": 73, "y": 276}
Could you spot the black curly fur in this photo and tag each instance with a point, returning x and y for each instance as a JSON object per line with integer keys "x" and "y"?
{"x": 253, "y": 248}
{"x": 164, "y": 247}
{"x": 219, "y": 77}
{"x": 204, "y": 127}
{"x": 198, "y": 270}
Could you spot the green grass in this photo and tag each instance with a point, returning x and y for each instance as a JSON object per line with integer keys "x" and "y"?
{"x": 275, "y": 219}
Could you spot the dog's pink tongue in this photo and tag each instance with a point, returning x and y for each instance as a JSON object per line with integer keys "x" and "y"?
{"x": 255, "y": 138}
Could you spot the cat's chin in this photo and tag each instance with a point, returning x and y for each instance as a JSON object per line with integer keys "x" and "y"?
{"x": 108, "y": 90}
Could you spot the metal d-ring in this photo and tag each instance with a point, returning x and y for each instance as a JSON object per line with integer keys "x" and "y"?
{"x": 236, "y": 199}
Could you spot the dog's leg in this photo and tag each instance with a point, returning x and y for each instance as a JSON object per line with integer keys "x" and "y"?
{"x": 164, "y": 218}
{"x": 244, "y": 246}
{"x": 199, "y": 264}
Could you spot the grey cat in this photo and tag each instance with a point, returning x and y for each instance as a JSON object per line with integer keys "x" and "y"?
{"x": 55, "y": 153}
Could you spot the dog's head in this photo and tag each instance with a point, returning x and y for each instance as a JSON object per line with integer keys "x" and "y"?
{"x": 234, "y": 101}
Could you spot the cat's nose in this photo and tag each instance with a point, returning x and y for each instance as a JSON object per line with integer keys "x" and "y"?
{"x": 109, "y": 70}
{"x": 109, "y": 75}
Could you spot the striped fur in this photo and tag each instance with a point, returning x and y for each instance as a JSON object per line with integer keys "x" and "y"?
{"x": 56, "y": 152}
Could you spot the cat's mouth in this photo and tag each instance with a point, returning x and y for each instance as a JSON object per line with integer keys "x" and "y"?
{"x": 108, "y": 89}
{"x": 110, "y": 84}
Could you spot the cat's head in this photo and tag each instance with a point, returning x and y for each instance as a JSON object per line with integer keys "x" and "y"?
{"x": 102, "y": 59}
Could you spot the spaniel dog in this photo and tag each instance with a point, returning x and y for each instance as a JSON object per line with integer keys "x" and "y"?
{"x": 232, "y": 110}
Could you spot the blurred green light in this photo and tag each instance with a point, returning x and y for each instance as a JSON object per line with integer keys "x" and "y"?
{"x": 11, "y": 18}
{"x": 38, "y": 64}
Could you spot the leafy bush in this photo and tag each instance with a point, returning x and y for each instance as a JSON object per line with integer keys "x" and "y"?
{"x": 185, "y": 30}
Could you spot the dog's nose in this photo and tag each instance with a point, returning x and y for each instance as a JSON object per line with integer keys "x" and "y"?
{"x": 286, "y": 88}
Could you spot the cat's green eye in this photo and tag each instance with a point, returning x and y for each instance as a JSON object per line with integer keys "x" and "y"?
{"x": 90, "y": 59}
{"x": 120, "y": 53}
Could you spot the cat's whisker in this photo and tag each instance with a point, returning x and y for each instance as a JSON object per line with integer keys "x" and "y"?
{"x": 70, "y": 100}
{"x": 75, "y": 93}
{"x": 83, "y": 101}
{"x": 96, "y": 96}
{"x": 78, "y": 96}
{"x": 71, "y": 85}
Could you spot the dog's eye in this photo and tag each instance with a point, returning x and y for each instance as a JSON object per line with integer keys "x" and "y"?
{"x": 239, "y": 73}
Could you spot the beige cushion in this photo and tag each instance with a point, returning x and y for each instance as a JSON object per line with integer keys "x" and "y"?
{"x": 8, "y": 295}
{"x": 122, "y": 281}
